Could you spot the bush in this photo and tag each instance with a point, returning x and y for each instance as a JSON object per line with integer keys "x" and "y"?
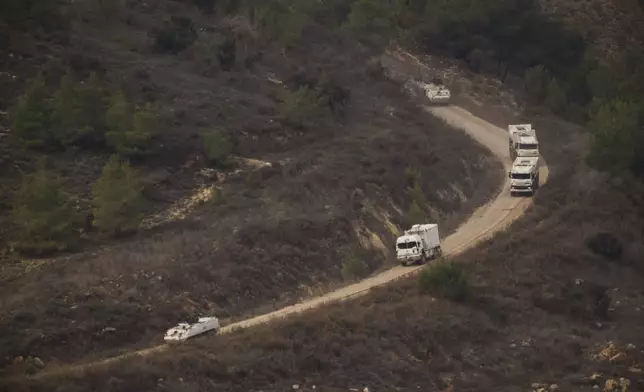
{"x": 217, "y": 147}
{"x": 117, "y": 198}
{"x": 280, "y": 21}
{"x": 445, "y": 278}
{"x": 354, "y": 268}
{"x": 32, "y": 116}
{"x": 536, "y": 83}
{"x": 617, "y": 137}
{"x": 556, "y": 99}
{"x": 130, "y": 129}
{"x": 79, "y": 111}
{"x": 176, "y": 35}
{"x": 301, "y": 108}
{"x": 43, "y": 213}
{"x": 19, "y": 13}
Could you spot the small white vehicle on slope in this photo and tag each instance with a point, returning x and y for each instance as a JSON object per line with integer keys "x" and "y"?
{"x": 522, "y": 141}
{"x": 436, "y": 92}
{"x": 419, "y": 244}
{"x": 524, "y": 175}
{"x": 183, "y": 331}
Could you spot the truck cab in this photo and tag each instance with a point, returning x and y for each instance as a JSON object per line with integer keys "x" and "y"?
{"x": 418, "y": 244}
{"x": 409, "y": 249}
{"x": 523, "y": 141}
{"x": 524, "y": 175}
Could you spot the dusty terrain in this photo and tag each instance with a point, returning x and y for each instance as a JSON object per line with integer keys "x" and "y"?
{"x": 484, "y": 223}
{"x": 547, "y": 309}
{"x": 332, "y": 193}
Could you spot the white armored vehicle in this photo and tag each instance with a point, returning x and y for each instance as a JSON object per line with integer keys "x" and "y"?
{"x": 183, "y": 331}
{"x": 523, "y": 141}
{"x": 436, "y": 92}
{"x": 419, "y": 244}
{"x": 524, "y": 176}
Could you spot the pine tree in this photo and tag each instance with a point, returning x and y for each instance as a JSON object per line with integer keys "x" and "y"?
{"x": 43, "y": 213}
{"x": 32, "y": 116}
{"x": 217, "y": 147}
{"x": 130, "y": 131}
{"x": 117, "y": 198}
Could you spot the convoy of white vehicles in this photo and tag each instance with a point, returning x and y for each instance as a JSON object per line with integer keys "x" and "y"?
{"x": 524, "y": 151}
{"x": 419, "y": 244}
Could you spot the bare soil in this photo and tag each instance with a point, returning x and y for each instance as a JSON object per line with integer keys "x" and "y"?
{"x": 280, "y": 233}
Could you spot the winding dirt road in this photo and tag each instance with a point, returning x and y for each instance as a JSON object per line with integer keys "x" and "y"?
{"x": 488, "y": 219}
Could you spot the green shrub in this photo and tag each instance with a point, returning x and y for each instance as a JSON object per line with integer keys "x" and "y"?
{"x": 217, "y": 147}
{"x": 301, "y": 108}
{"x": 130, "y": 129}
{"x": 354, "y": 268}
{"x": 536, "y": 83}
{"x": 44, "y": 214}
{"x": 79, "y": 110}
{"x": 280, "y": 21}
{"x": 176, "y": 35}
{"x": 32, "y": 116}
{"x": 18, "y": 13}
{"x": 556, "y": 99}
{"x": 617, "y": 137}
{"x": 445, "y": 278}
{"x": 117, "y": 198}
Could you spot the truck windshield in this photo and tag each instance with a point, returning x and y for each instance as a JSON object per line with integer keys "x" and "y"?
{"x": 407, "y": 245}
{"x": 528, "y": 146}
{"x": 520, "y": 176}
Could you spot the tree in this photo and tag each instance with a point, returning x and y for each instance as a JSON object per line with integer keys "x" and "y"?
{"x": 556, "y": 97}
{"x": 117, "y": 198}
{"x": 217, "y": 147}
{"x": 617, "y": 136}
{"x": 43, "y": 213}
{"x": 32, "y": 116}
{"x": 79, "y": 110}
{"x": 130, "y": 131}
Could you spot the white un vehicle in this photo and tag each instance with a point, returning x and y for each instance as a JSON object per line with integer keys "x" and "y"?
{"x": 419, "y": 244}
{"x": 524, "y": 176}
{"x": 436, "y": 92}
{"x": 522, "y": 141}
{"x": 183, "y": 331}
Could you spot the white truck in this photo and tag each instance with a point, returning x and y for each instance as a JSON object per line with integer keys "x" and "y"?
{"x": 524, "y": 176}
{"x": 523, "y": 141}
{"x": 419, "y": 244}
{"x": 436, "y": 92}
{"x": 183, "y": 331}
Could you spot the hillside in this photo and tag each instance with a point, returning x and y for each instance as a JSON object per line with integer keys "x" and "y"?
{"x": 545, "y": 306}
{"x": 553, "y": 303}
{"x": 312, "y": 195}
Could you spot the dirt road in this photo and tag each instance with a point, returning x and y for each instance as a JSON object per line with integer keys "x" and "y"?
{"x": 487, "y": 220}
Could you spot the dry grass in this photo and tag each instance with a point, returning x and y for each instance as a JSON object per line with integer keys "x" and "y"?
{"x": 543, "y": 309}
{"x": 277, "y": 229}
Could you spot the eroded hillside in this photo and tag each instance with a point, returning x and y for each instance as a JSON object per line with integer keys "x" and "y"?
{"x": 328, "y": 160}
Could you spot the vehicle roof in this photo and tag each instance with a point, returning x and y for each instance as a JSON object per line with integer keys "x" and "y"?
{"x": 528, "y": 139}
{"x": 407, "y": 238}
{"x": 524, "y": 165}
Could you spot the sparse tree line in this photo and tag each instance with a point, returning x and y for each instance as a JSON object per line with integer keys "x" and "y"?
{"x": 83, "y": 114}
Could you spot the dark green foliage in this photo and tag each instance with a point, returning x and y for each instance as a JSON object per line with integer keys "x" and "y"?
{"x": 445, "y": 278}
{"x": 176, "y": 35}
{"x": 217, "y": 147}
{"x": 21, "y": 13}
{"x": 44, "y": 214}
{"x": 130, "y": 129}
{"x": 354, "y": 268}
{"x": 117, "y": 198}
{"x": 79, "y": 111}
{"x": 301, "y": 108}
{"x": 32, "y": 117}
